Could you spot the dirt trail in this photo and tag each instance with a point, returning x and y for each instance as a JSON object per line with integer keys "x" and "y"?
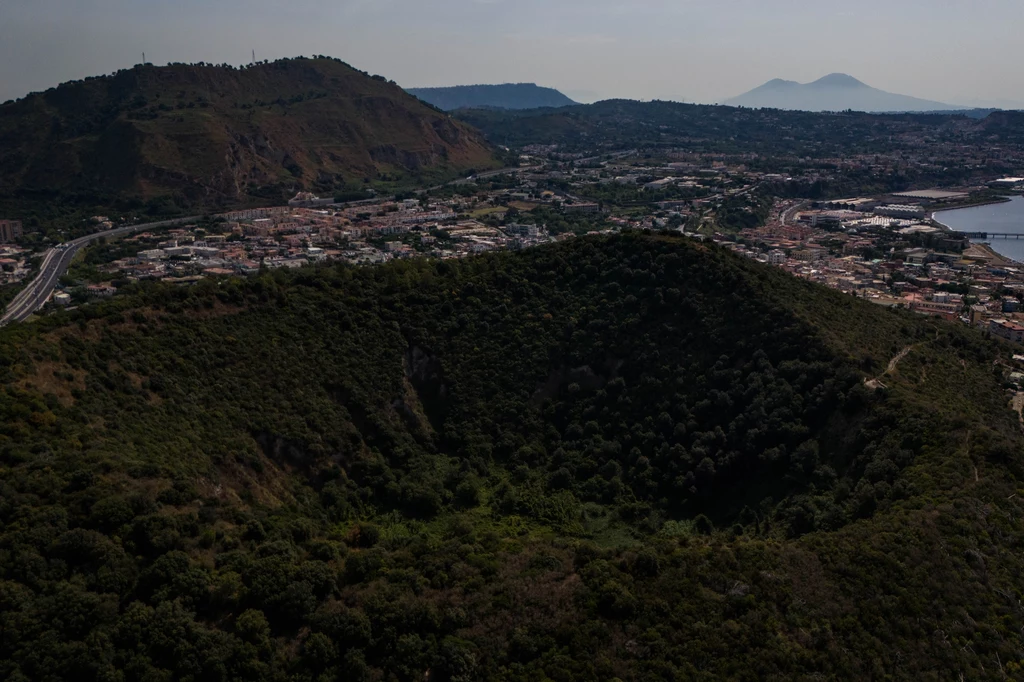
{"x": 1018, "y": 405}
{"x": 894, "y": 363}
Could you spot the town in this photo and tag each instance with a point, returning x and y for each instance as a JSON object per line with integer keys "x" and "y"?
{"x": 885, "y": 248}
{"x": 860, "y": 247}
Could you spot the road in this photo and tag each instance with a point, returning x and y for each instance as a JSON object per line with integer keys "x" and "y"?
{"x": 789, "y": 213}
{"x": 526, "y": 169}
{"x": 488, "y": 174}
{"x": 56, "y": 262}
{"x": 611, "y": 157}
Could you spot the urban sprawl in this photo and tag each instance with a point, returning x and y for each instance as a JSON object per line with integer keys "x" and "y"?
{"x": 886, "y": 249}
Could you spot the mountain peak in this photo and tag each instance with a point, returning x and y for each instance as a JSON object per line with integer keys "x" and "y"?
{"x": 839, "y": 80}
{"x": 834, "y": 92}
{"x": 779, "y": 83}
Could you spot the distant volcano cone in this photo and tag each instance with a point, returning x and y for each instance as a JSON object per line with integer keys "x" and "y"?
{"x": 834, "y": 92}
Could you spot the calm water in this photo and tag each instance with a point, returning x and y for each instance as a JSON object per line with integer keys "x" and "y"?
{"x": 995, "y": 218}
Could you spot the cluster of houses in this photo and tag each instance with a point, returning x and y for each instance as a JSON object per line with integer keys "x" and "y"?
{"x": 242, "y": 242}
{"x": 14, "y": 264}
{"x": 966, "y": 283}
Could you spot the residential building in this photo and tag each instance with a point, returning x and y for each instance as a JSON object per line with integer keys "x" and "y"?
{"x": 10, "y": 230}
{"x": 978, "y": 313}
{"x": 948, "y": 311}
{"x": 917, "y": 256}
{"x": 101, "y": 290}
{"x": 810, "y": 254}
{"x": 1004, "y": 329}
{"x": 667, "y": 205}
{"x": 583, "y": 208}
{"x": 522, "y": 230}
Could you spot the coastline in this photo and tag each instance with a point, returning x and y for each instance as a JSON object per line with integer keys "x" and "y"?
{"x": 988, "y": 202}
{"x": 995, "y": 258}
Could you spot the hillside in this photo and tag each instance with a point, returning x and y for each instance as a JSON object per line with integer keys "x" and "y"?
{"x": 507, "y": 96}
{"x": 1005, "y": 126}
{"x": 211, "y": 135}
{"x": 778, "y": 138}
{"x": 835, "y": 92}
{"x": 619, "y": 124}
{"x": 631, "y": 457}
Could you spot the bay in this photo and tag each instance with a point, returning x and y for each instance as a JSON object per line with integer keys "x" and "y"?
{"x": 1006, "y": 217}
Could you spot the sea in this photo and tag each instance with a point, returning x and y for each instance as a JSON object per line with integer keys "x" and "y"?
{"x": 1006, "y": 217}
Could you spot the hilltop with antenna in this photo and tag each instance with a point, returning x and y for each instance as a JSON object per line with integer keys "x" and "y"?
{"x": 206, "y": 134}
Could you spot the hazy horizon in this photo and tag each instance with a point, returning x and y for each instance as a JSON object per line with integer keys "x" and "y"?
{"x": 689, "y": 50}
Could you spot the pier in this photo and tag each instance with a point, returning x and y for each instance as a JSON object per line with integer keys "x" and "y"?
{"x": 990, "y": 235}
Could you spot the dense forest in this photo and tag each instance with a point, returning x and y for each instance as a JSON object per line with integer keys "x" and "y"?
{"x": 629, "y": 457}
{"x": 506, "y": 96}
{"x": 770, "y": 137}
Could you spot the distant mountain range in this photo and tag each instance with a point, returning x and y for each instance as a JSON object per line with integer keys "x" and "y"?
{"x": 507, "y": 96}
{"x": 835, "y": 92}
{"x": 208, "y": 134}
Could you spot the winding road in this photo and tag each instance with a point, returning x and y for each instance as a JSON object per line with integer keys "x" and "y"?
{"x": 56, "y": 262}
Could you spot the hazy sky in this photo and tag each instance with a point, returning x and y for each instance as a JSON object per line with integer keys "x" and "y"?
{"x": 957, "y": 51}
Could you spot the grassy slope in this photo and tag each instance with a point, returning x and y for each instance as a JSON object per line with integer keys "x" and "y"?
{"x": 297, "y": 414}
{"x": 209, "y": 132}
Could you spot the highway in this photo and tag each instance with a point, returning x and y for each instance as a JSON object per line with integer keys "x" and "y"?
{"x": 56, "y": 262}
{"x": 488, "y": 174}
{"x": 788, "y": 214}
{"x": 611, "y": 157}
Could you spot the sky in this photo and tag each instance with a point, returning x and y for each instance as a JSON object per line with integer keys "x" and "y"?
{"x": 954, "y": 51}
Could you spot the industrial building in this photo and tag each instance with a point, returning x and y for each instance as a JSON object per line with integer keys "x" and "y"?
{"x": 859, "y": 204}
{"x": 930, "y": 195}
{"x": 903, "y": 211}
